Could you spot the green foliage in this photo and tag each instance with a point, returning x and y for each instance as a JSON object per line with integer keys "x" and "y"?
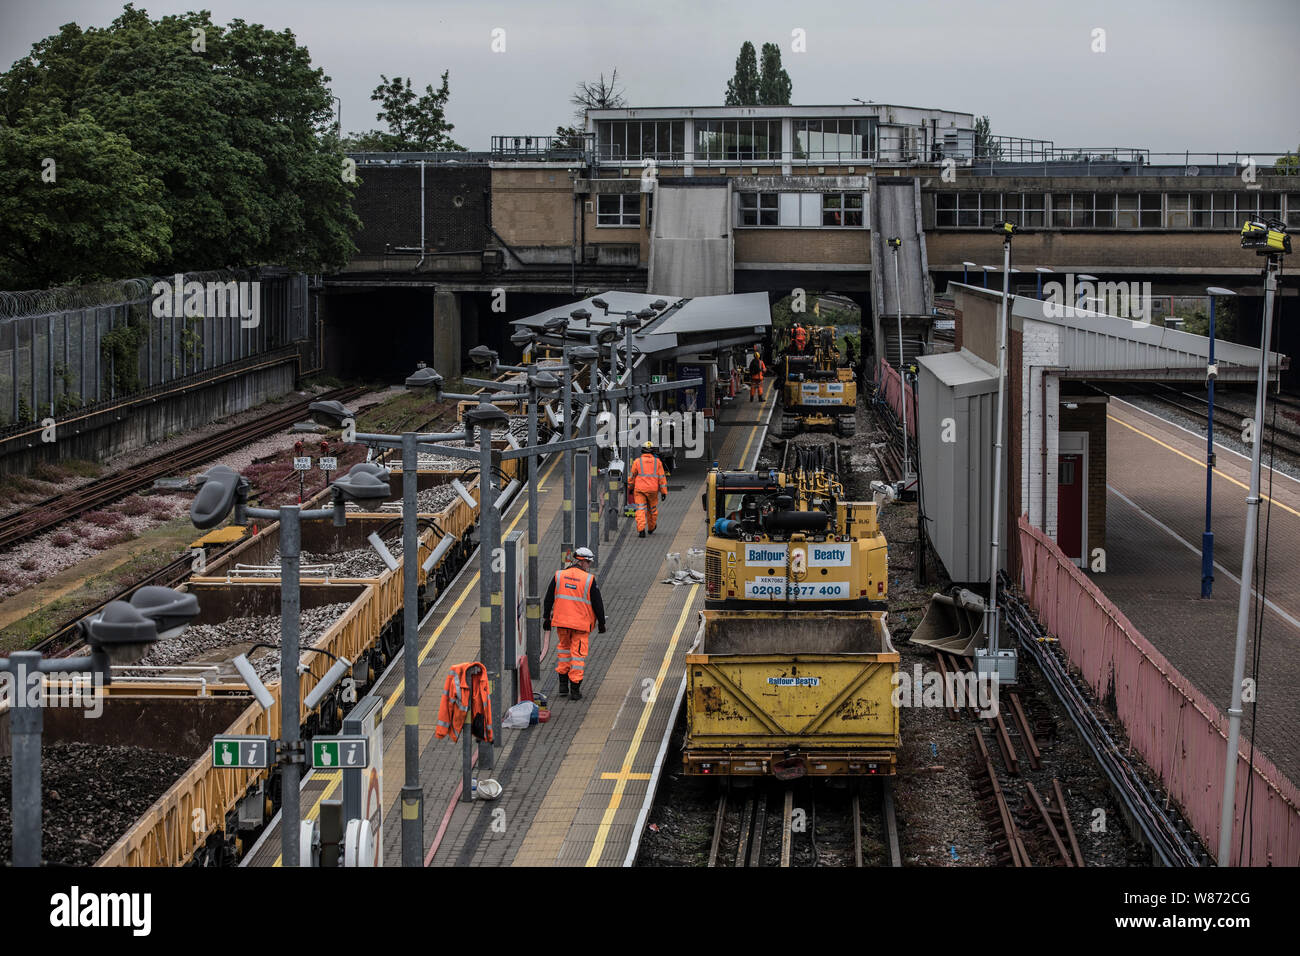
{"x": 68, "y": 399}
{"x": 224, "y": 156}
{"x": 24, "y": 412}
{"x": 742, "y": 89}
{"x": 415, "y": 123}
{"x": 1225, "y": 321}
{"x": 1289, "y": 164}
{"x": 119, "y": 350}
{"x": 985, "y": 146}
{"x": 774, "y": 84}
{"x": 102, "y": 215}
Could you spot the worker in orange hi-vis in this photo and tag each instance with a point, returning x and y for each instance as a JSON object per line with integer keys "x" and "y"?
{"x": 756, "y": 368}
{"x": 649, "y": 485}
{"x": 800, "y": 337}
{"x": 574, "y": 605}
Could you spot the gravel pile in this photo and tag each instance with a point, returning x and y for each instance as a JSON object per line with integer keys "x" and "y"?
{"x": 358, "y": 563}
{"x": 91, "y": 795}
{"x": 199, "y": 639}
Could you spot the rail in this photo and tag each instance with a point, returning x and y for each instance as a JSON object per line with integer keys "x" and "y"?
{"x": 1169, "y": 722}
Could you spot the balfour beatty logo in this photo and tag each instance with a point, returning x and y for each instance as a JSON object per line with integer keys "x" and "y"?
{"x": 794, "y": 681}
{"x": 830, "y": 555}
{"x": 759, "y": 554}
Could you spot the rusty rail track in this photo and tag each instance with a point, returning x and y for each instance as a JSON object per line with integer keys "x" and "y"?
{"x": 41, "y": 516}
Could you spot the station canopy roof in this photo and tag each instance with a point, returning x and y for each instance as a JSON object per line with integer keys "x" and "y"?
{"x": 683, "y": 326}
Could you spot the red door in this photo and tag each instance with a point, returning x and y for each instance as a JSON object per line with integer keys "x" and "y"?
{"x": 1069, "y": 505}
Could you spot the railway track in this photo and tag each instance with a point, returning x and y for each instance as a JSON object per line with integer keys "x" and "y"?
{"x": 41, "y": 516}
{"x": 788, "y": 825}
{"x": 1229, "y": 415}
{"x": 828, "y": 455}
{"x": 1171, "y": 839}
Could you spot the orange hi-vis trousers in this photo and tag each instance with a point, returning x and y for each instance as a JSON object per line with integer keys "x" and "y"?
{"x": 647, "y": 509}
{"x": 571, "y": 657}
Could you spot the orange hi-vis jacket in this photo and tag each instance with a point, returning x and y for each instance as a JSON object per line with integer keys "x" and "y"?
{"x": 647, "y": 475}
{"x": 573, "y": 600}
{"x": 465, "y": 692}
{"x": 800, "y": 338}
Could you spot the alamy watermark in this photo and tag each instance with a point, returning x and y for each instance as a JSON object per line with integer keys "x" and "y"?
{"x": 73, "y": 689}
{"x": 924, "y": 688}
{"x": 176, "y": 297}
{"x": 683, "y": 430}
{"x": 1125, "y": 300}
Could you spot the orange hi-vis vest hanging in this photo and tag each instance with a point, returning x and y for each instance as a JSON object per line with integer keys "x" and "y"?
{"x": 573, "y": 600}
{"x": 465, "y": 692}
{"x": 648, "y": 476}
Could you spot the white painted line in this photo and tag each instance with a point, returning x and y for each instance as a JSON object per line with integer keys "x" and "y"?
{"x": 1201, "y": 438}
{"x": 1195, "y": 550}
{"x": 653, "y": 784}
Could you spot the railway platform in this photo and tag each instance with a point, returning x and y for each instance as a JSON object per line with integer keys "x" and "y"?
{"x": 575, "y": 789}
{"x": 1155, "y": 514}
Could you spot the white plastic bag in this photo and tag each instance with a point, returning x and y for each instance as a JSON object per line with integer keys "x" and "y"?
{"x": 518, "y": 716}
{"x": 674, "y": 563}
{"x": 695, "y": 560}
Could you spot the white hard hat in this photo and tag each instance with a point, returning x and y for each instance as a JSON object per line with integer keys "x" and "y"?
{"x": 584, "y": 553}
{"x": 489, "y": 789}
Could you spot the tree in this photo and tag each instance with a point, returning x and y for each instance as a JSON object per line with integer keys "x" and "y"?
{"x": 742, "y": 89}
{"x": 986, "y": 147}
{"x": 232, "y": 122}
{"x": 415, "y": 123}
{"x": 97, "y": 211}
{"x": 774, "y": 84}
{"x": 600, "y": 95}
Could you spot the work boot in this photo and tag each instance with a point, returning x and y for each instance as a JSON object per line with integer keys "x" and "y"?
{"x": 652, "y": 530}
{"x": 575, "y": 690}
{"x": 640, "y": 534}
{"x": 564, "y": 685}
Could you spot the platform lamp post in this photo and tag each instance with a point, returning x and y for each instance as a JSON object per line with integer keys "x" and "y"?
{"x": 965, "y": 265}
{"x": 1211, "y": 373}
{"x": 987, "y": 270}
{"x": 560, "y": 324}
{"x": 539, "y": 383}
{"x": 482, "y": 420}
{"x": 1042, "y": 271}
{"x": 1268, "y": 239}
{"x": 121, "y": 633}
{"x": 223, "y": 490}
{"x": 993, "y": 657}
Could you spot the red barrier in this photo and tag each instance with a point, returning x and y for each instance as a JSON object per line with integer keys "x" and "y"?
{"x": 1178, "y": 732}
{"x": 888, "y": 379}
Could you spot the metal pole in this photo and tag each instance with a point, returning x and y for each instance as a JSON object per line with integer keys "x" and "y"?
{"x": 25, "y": 726}
{"x": 611, "y": 494}
{"x": 566, "y": 524}
{"x": 290, "y": 609}
{"x": 534, "y": 609}
{"x": 412, "y": 792}
{"x": 1247, "y": 568}
{"x": 593, "y": 469}
{"x": 902, "y": 384}
{"x": 991, "y": 609}
{"x": 489, "y": 594}
{"x": 1207, "y": 539}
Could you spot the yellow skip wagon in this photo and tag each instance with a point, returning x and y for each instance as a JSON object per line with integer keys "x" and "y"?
{"x": 770, "y": 693}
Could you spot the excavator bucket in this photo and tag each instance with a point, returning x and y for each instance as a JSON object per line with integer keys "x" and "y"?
{"x": 952, "y": 624}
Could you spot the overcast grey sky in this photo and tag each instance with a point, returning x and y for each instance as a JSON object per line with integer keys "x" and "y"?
{"x": 1176, "y": 74}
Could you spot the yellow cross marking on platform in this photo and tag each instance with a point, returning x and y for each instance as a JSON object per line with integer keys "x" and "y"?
{"x": 607, "y": 820}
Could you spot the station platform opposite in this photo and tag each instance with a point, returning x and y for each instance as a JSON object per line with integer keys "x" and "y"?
{"x": 1155, "y": 515}
{"x": 574, "y": 789}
